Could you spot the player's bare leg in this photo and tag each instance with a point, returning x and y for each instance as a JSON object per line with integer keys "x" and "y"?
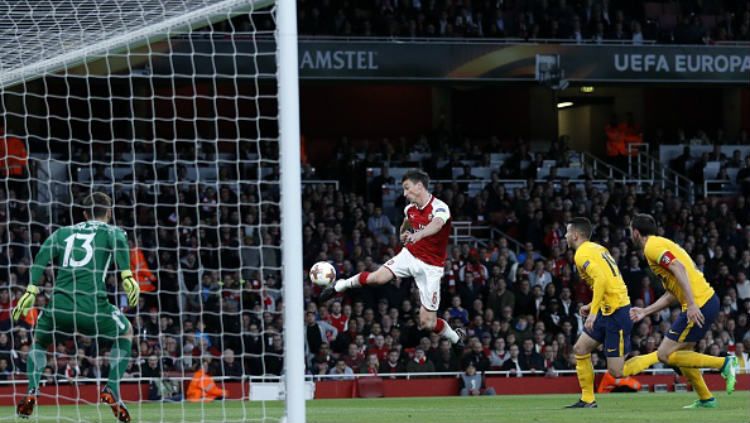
{"x": 585, "y": 371}
{"x": 108, "y": 395}
{"x": 379, "y": 277}
{"x": 428, "y": 320}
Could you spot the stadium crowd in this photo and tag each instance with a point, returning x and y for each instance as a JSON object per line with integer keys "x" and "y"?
{"x": 219, "y": 249}
{"x": 681, "y": 22}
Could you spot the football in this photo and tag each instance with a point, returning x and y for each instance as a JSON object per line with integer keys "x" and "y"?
{"x": 322, "y": 273}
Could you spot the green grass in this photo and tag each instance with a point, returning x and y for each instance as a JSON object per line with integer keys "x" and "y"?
{"x": 613, "y": 408}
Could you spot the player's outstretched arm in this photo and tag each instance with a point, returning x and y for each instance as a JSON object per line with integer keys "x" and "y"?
{"x": 27, "y": 300}
{"x": 638, "y": 313}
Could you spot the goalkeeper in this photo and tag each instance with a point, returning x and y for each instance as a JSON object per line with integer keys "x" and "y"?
{"x": 81, "y": 255}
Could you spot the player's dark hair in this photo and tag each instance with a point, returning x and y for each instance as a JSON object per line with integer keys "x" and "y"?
{"x": 644, "y": 223}
{"x": 96, "y": 204}
{"x": 582, "y": 225}
{"x": 417, "y": 175}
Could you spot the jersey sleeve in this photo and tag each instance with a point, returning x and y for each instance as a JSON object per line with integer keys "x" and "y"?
{"x": 122, "y": 250}
{"x": 46, "y": 253}
{"x": 442, "y": 211}
{"x": 658, "y": 252}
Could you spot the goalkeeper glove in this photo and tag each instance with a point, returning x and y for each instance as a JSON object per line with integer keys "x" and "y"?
{"x": 25, "y": 303}
{"x": 131, "y": 287}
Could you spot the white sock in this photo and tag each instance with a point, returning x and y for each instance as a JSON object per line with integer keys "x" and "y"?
{"x": 344, "y": 284}
{"x": 449, "y": 333}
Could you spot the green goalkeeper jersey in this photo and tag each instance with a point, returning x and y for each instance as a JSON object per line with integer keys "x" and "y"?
{"x": 81, "y": 255}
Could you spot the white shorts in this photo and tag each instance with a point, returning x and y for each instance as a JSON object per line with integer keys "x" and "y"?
{"x": 428, "y": 277}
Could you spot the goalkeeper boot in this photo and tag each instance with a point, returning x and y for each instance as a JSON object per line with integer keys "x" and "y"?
{"x": 328, "y": 292}
{"x": 729, "y": 373}
{"x": 583, "y": 404}
{"x": 26, "y": 406}
{"x": 118, "y": 407}
{"x": 709, "y": 403}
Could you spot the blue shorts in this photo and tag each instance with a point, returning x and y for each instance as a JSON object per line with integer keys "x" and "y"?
{"x": 613, "y": 331}
{"x": 684, "y": 331}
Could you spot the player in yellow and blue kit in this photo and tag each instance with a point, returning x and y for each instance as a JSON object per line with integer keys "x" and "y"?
{"x": 607, "y": 317}
{"x": 700, "y": 306}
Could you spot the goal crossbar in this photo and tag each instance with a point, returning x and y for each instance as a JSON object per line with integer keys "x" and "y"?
{"x": 77, "y": 54}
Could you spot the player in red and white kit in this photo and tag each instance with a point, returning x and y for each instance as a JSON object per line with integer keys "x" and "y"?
{"x": 424, "y": 232}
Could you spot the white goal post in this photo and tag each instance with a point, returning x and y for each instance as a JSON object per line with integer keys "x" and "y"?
{"x": 78, "y": 89}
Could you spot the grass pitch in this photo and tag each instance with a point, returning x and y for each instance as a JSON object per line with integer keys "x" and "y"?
{"x": 613, "y": 408}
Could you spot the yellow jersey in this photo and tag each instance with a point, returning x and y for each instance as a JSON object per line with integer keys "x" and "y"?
{"x": 660, "y": 253}
{"x": 599, "y": 270}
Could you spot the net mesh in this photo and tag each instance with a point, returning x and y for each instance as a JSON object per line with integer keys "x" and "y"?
{"x": 169, "y": 107}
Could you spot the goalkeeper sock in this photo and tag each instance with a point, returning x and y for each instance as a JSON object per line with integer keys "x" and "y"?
{"x": 695, "y": 360}
{"x": 585, "y": 372}
{"x": 639, "y": 363}
{"x": 35, "y": 366}
{"x": 119, "y": 357}
{"x": 695, "y": 377}
{"x": 356, "y": 281}
{"x": 443, "y": 329}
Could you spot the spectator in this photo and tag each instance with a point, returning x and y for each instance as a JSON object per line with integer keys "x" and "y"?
{"x": 444, "y": 359}
{"x": 530, "y": 359}
{"x": 380, "y": 226}
{"x": 372, "y": 366}
{"x": 471, "y": 383}
{"x": 5, "y": 372}
{"x": 393, "y": 364}
{"x": 230, "y": 367}
{"x": 202, "y": 387}
{"x": 513, "y": 363}
{"x": 498, "y": 354}
{"x": 742, "y": 285}
{"x": 743, "y": 360}
{"x": 342, "y": 371}
{"x": 458, "y": 312}
{"x": 477, "y": 356}
{"x": 420, "y": 363}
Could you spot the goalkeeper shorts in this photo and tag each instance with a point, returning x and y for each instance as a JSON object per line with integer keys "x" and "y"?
{"x": 107, "y": 322}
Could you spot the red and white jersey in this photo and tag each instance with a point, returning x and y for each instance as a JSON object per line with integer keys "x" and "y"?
{"x": 341, "y": 323}
{"x": 432, "y": 249}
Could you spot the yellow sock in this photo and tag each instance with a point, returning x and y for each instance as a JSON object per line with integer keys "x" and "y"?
{"x": 695, "y": 360}
{"x": 695, "y": 377}
{"x": 585, "y": 371}
{"x": 639, "y": 363}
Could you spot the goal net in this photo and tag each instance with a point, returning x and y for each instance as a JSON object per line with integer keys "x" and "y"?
{"x": 173, "y": 109}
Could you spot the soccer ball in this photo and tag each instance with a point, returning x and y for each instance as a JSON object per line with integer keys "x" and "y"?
{"x": 322, "y": 273}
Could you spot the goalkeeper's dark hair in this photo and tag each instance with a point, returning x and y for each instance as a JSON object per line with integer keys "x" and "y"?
{"x": 582, "y": 225}
{"x": 644, "y": 223}
{"x": 417, "y": 175}
{"x": 96, "y": 204}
